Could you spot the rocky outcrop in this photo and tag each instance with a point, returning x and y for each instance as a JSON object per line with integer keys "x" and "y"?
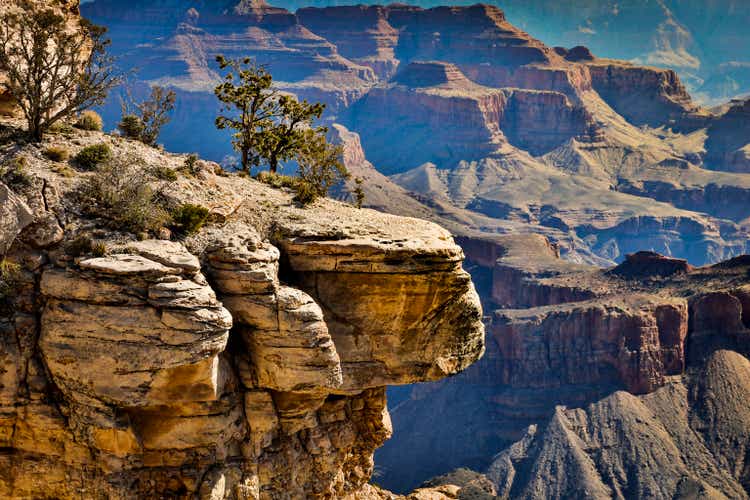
{"x": 421, "y": 98}
{"x": 645, "y": 95}
{"x": 248, "y": 360}
{"x": 425, "y": 94}
{"x": 15, "y": 215}
{"x": 646, "y": 264}
{"x": 633, "y": 342}
{"x": 587, "y": 450}
{"x": 362, "y": 33}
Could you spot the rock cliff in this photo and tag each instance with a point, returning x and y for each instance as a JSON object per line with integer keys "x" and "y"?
{"x": 248, "y": 360}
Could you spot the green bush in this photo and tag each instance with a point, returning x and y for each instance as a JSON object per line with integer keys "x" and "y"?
{"x": 189, "y": 218}
{"x": 14, "y": 174}
{"x": 120, "y": 192}
{"x": 57, "y": 153}
{"x": 277, "y": 180}
{"x": 61, "y": 128}
{"x": 85, "y": 245}
{"x": 164, "y": 173}
{"x": 92, "y": 157}
{"x": 131, "y": 126}
{"x": 190, "y": 166}
{"x": 90, "y": 120}
{"x": 305, "y": 192}
{"x": 319, "y": 168}
{"x": 9, "y": 275}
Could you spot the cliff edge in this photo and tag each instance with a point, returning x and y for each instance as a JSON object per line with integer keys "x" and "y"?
{"x": 246, "y": 360}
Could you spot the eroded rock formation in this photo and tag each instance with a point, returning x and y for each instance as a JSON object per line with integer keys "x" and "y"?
{"x": 247, "y": 361}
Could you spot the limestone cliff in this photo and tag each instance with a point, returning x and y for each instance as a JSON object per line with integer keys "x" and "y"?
{"x": 248, "y": 360}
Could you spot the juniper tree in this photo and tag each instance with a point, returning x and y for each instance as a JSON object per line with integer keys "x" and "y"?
{"x": 269, "y": 127}
{"x": 53, "y": 71}
{"x": 289, "y": 136}
{"x": 144, "y": 120}
{"x": 250, "y": 105}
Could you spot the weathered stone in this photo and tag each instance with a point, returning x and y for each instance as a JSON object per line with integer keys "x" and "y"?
{"x": 169, "y": 253}
{"x": 127, "y": 265}
{"x": 15, "y": 215}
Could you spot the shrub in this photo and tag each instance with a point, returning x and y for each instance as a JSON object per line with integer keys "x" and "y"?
{"x": 13, "y": 173}
{"x": 92, "y": 157}
{"x": 131, "y": 126}
{"x": 62, "y": 128}
{"x": 85, "y": 245}
{"x": 90, "y": 120}
{"x": 57, "y": 153}
{"x": 189, "y": 218}
{"x": 164, "y": 173}
{"x": 319, "y": 168}
{"x": 190, "y": 166}
{"x": 120, "y": 192}
{"x": 277, "y": 180}
{"x": 305, "y": 192}
{"x": 144, "y": 120}
{"x": 9, "y": 275}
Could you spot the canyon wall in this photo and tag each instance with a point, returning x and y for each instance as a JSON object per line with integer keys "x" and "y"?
{"x": 586, "y": 369}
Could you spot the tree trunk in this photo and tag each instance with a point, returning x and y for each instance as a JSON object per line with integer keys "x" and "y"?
{"x": 273, "y": 164}
{"x": 245, "y": 160}
{"x": 35, "y": 131}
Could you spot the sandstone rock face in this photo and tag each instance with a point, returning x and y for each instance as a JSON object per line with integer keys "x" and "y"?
{"x": 634, "y": 343}
{"x": 362, "y": 33}
{"x": 727, "y": 144}
{"x": 585, "y": 451}
{"x": 247, "y": 361}
{"x": 425, "y": 94}
{"x": 15, "y": 215}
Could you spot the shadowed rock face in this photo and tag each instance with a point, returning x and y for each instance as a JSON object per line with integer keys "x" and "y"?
{"x": 727, "y": 144}
{"x": 248, "y": 360}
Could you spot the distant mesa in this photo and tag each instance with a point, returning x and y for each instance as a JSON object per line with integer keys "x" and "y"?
{"x": 647, "y": 264}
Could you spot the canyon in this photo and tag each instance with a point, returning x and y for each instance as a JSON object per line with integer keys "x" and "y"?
{"x": 553, "y": 286}
{"x": 487, "y": 129}
{"x": 623, "y": 382}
